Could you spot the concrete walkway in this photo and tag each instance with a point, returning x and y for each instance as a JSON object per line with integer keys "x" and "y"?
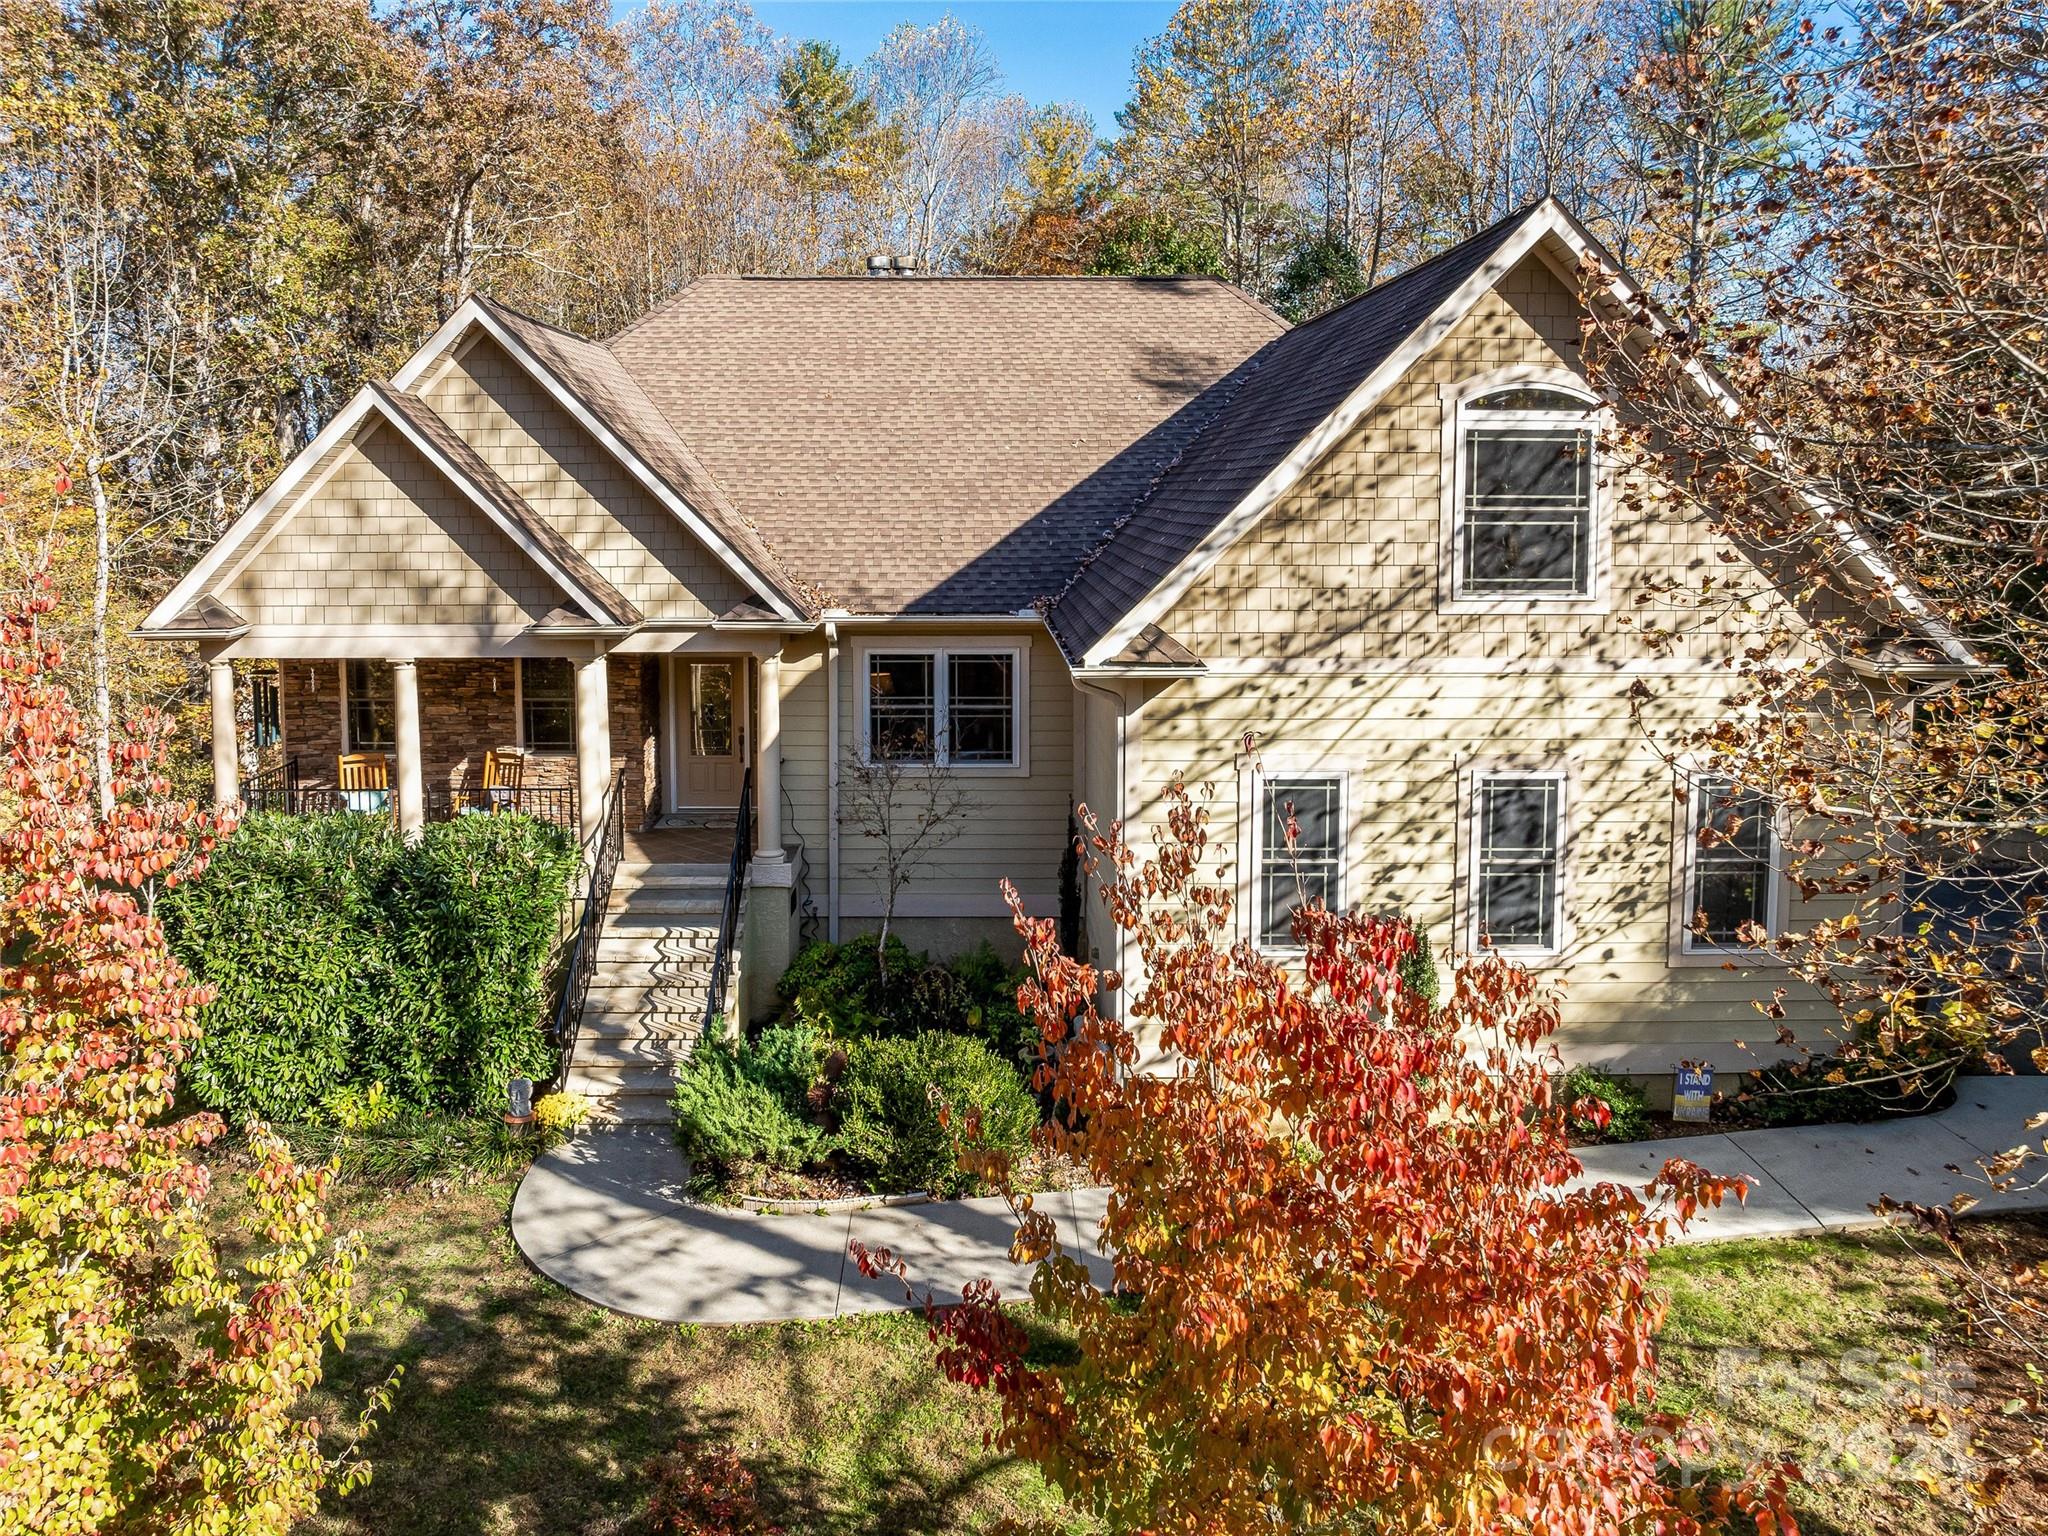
{"x": 607, "y": 1215}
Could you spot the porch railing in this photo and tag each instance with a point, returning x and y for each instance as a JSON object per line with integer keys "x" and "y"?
{"x": 735, "y": 889}
{"x": 600, "y": 866}
{"x": 281, "y": 789}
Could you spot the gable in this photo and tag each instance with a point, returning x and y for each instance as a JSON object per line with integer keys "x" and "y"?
{"x": 1350, "y": 565}
{"x": 579, "y": 487}
{"x": 386, "y": 540}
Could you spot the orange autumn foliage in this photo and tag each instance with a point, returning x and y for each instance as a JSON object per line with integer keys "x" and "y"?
{"x": 1356, "y": 1284}
{"x": 149, "y": 1383}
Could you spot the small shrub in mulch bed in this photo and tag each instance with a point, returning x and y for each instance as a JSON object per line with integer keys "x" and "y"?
{"x": 848, "y": 1085}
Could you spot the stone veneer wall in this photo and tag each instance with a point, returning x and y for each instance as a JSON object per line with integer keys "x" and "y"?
{"x": 467, "y": 707}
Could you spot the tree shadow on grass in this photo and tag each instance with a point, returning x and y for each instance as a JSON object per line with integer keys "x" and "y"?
{"x": 524, "y": 1409}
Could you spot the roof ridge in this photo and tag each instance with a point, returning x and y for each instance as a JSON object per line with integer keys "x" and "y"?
{"x": 1242, "y": 377}
{"x": 809, "y": 591}
{"x": 647, "y": 314}
{"x": 493, "y": 302}
{"x": 1380, "y": 288}
{"x": 1227, "y": 388}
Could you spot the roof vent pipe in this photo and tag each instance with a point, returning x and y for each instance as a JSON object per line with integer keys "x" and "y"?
{"x": 878, "y": 266}
{"x": 906, "y": 266}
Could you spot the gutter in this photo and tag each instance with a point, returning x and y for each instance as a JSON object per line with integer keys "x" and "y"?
{"x": 1918, "y": 671}
{"x": 1138, "y": 673}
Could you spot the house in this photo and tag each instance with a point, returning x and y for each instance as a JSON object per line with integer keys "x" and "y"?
{"x": 1082, "y": 535}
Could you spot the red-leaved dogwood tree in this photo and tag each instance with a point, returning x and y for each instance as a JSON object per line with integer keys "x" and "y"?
{"x": 1356, "y": 1285}
{"x": 144, "y": 1384}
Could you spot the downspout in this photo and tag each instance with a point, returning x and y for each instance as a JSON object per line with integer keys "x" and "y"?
{"x": 1116, "y": 958}
{"x": 832, "y": 783}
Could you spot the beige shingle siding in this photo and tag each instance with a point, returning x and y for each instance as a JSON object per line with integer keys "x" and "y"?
{"x": 1341, "y": 584}
{"x": 1349, "y": 566}
{"x": 1011, "y": 827}
{"x": 387, "y": 540}
{"x": 1404, "y": 743}
{"x": 577, "y": 484}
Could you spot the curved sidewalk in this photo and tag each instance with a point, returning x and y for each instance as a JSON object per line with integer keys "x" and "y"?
{"x": 607, "y": 1215}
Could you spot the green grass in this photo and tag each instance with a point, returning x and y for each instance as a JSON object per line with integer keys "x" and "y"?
{"x": 1817, "y": 1350}
{"x": 524, "y": 1410}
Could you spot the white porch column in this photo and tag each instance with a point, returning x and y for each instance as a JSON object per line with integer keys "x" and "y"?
{"x": 593, "y": 745}
{"x": 768, "y": 791}
{"x": 220, "y": 686}
{"x": 409, "y": 792}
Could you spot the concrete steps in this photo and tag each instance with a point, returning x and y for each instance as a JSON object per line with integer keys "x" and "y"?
{"x": 648, "y": 987}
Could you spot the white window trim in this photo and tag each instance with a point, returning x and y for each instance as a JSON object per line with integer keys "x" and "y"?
{"x": 1599, "y": 566}
{"x": 1561, "y": 911}
{"x": 348, "y": 742}
{"x": 1687, "y": 947}
{"x": 939, "y": 649}
{"x": 519, "y": 708}
{"x": 1255, "y": 897}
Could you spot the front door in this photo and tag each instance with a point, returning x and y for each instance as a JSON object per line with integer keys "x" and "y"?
{"x": 711, "y": 729}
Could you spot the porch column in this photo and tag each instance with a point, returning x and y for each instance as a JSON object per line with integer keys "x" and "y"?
{"x": 410, "y": 789}
{"x": 593, "y": 745}
{"x": 220, "y": 686}
{"x": 768, "y": 792}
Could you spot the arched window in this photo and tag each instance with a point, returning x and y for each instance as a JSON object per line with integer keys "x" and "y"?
{"x": 1524, "y": 489}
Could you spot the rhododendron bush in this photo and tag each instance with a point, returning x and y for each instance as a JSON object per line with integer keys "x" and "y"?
{"x": 144, "y": 1385}
{"x": 1355, "y": 1285}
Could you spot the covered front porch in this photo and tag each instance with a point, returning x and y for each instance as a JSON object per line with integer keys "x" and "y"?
{"x": 432, "y": 738}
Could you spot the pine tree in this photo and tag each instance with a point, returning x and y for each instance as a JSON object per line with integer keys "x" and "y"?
{"x": 1711, "y": 118}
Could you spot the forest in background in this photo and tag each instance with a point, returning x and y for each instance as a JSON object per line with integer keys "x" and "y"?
{"x": 219, "y": 217}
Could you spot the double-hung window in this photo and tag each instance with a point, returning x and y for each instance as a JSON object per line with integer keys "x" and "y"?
{"x": 1525, "y": 495}
{"x": 370, "y": 710}
{"x": 960, "y": 707}
{"x": 1307, "y": 866}
{"x": 547, "y": 704}
{"x": 1731, "y": 869}
{"x": 1518, "y": 861}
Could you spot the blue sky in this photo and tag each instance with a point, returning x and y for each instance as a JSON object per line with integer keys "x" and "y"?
{"x": 1075, "y": 51}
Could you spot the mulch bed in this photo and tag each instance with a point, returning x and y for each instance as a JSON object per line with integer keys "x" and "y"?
{"x": 2000, "y": 1347}
{"x": 1035, "y": 1171}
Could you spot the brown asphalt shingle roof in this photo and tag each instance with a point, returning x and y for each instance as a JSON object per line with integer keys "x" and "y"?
{"x": 612, "y": 395}
{"x": 466, "y": 462}
{"x": 1269, "y": 406}
{"x": 207, "y": 614}
{"x": 1154, "y": 647}
{"x": 939, "y": 445}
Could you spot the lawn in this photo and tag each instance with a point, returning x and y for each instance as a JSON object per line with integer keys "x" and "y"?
{"x": 524, "y": 1410}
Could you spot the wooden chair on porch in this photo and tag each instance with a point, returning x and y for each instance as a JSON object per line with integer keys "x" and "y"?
{"x": 364, "y": 779}
{"x": 504, "y": 776}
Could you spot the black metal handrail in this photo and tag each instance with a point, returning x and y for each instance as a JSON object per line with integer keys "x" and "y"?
{"x": 729, "y": 914}
{"x": 280, "y": 789}
{"x": 601, "y": 863}
{"x": 273, "y": 789}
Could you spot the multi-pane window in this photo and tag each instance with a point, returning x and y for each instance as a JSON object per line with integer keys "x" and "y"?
{"x": 1518, "y": 852}
{"x": 370, "y": 715}
{"x": 1731, "y": 868}
{"x": 981, "y": 706}
{"x": 1526, "y": 513}
{"x": 1312, "y": 868}
{"x": 547, "y": 704}
{"x": 956, "y": 707}
{"x": 903, "y": 706}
